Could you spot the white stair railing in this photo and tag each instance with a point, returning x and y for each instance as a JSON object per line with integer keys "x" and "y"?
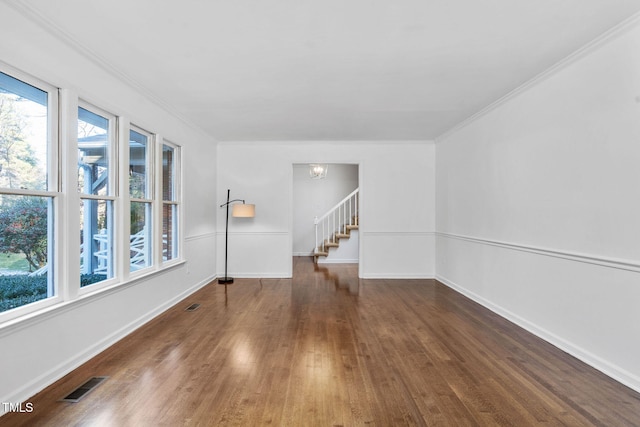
{"x": 336, "y": 221}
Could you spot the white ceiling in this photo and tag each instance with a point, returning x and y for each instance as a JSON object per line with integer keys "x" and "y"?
{"x": 329, "y": 69}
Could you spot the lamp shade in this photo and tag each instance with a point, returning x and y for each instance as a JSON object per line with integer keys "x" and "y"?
{"x": 241, "y": 210}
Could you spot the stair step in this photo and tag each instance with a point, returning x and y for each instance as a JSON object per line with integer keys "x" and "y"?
{"x": 352, "y": 227}
{"x": 331, "y": 244}
{"x": 342, "y": 236}
{"x": 320, "y": 253}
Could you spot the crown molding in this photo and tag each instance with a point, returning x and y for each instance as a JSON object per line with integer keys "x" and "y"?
{"x": 559, "y": 66}
{"x": 34, "y": 15}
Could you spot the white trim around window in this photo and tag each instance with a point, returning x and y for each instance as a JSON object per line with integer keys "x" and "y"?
{"x": 101, "y": 149}
{"x": 174, "y": 235}
{"x": 65, "y": 198}
{"x": 51, "y": 192}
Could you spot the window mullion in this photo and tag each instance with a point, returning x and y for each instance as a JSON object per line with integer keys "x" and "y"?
{"x": 68, "y": 215}
{"x": 157, "y": 201}
{"x": 123, "y": 206}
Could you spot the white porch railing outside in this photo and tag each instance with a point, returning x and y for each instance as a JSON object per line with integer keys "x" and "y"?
{"x": 336, "y": 220}
{"x": 140, "y": 256}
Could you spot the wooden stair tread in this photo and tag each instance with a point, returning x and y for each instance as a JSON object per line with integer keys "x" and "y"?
{"x": 324, "y": 249}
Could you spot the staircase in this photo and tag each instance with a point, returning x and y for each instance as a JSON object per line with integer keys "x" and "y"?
{"x": 336, "y": 224}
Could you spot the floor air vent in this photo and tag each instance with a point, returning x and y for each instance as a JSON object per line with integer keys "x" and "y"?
{"x": 84, "y": 389}
{"x": 192, "y": 307}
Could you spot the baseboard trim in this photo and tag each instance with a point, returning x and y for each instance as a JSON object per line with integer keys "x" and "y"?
{"x": 393, "y": 276}
{"x": 337, "y": 261}
{"x": 621, "y": 375}
{"x": 257, "y": 275}
{"x": 41, "y": 382}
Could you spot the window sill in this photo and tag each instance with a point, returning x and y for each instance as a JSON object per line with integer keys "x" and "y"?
{"x": 15, "y": 324}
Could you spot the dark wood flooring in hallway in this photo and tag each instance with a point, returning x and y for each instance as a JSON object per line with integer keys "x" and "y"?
{"x": 328, "y": 349}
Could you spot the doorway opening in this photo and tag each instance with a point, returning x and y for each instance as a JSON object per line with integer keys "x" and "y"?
{"x": 313, "y": 198}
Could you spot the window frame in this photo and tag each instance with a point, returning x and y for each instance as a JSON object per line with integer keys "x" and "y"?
{"x": 53, "y": 192}
{"x": 64, "y": 198}
{"x": 151, "y": 200}
{"x": 176, "y": 201}
{"x": 111, "y": 196}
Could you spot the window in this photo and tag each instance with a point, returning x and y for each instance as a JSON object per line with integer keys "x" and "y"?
{"x": 95, "y": 176}
{"x": 170, "y": 205}
{"x": 109, "y": 234}
{"x": 141, "y": 197}
{"x": 28, "y": 189}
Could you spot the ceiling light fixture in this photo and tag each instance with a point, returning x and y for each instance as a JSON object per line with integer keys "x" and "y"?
{"x": 318, "y": 171}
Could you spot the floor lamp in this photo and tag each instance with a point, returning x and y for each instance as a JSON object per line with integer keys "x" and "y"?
{"x": 239, "y": 211}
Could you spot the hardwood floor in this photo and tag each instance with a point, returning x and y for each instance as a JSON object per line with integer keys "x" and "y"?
{"x": 328, "y": 349}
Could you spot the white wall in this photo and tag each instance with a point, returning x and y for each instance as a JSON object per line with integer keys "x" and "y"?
{"x": 538, "y": 209}
{"x": 38, "y": 350}
{"x": 314, "y": 197}
{"x": 394, "y": 177}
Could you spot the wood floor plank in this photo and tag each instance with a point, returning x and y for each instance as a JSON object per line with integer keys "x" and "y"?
{"x": 328, "y": 349}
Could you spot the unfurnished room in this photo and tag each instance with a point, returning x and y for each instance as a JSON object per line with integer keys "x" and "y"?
{"x": 320, "y": 213}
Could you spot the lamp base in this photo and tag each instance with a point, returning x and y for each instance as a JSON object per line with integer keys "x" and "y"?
{"x": 225, "y": 281}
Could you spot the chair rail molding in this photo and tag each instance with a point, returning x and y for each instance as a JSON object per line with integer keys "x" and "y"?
{"x": 620, "y": 264}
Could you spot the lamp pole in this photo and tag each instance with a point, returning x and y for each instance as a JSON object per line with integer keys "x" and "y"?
{"x": 226, "y": 280}
{"x": 241, "y": 211}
